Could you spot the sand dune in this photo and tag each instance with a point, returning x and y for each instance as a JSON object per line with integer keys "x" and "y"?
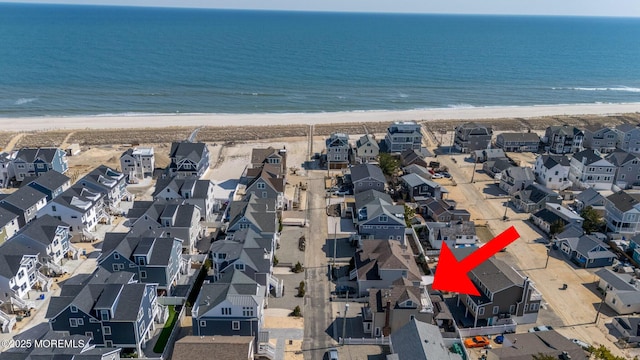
{"x": 142, "y": 121}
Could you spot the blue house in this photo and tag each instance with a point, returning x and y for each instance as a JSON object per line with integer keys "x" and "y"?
{"x": 377, "y": 217}
{"x": 51, "y": 183}
{"x": 35, "y": 162}
{"x": 231, "y": 306}
{"x": 585, "y": 251}
{"x": 634, "y": 244}
{"x": 111, "y": 309}
{"x": 154, "y": 259}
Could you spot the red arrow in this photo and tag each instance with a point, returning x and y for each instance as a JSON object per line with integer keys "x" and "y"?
{"x": 451, "y": 274}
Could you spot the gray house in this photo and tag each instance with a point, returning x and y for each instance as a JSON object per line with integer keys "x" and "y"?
{"x": 377, "y": 217}
{"x": 107, "y": 181}
{"x": 51, "y": 183}
{"x": 271, "y": 156}
{"x": 504, "y": 293}
{"x": 154, "y": 259}
{"x": 258, "y": 214}
{"x": 192, "y": 190}
{"x": 110, "y": 308}
{"x": 37, "y": 161}
{"x": 516, "y": 178}
{"x": 338, "y": 150}
{"x": 627, "y": 168}
{"x": 531, "y": 344}
{"x": 18, "y": 273}
{"x": 443, "y": 211}
{"x": 603, "y": 139}
{"x": 590, "y": 197}
{"x": 534, "y": 197}
{"x": 483, "y": 155}
{"x": 419, "y": 340}
{"x": 367, "y": 176}
{"x": 585, "y": 251}
{"x": 622, "y": 213}
{"x": 403, "y": 135}
{"x": 50, "y": 238}
{"x": 233, "y": 305}
{"x": 453, "y": 234}
{"x": 418, "y": 187}
{"x": 267, "y": 183}
{"x": 563, "y": 139}
{"x": 629, "y": 135}
{"x": 518, "y": 142}
{"x": 553, "y": 213}
{"x": 25, "y": 203}
{"x": 622, "y": 292}
{"x": 589, "y": 169}
{"x": 188, "y": 159}
{"x": 470, "y": 137}
{"x": 138, "y": 163}
{"x": 82, "y": 347}
{"x": 367, "y": 149}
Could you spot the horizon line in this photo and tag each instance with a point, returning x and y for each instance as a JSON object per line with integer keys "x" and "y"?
{"x": 374, "y": 12}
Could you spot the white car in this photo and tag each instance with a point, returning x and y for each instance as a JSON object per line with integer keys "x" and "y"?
{"x": 581, "y": 343}
{"x": 540, "y": 328}
{"x": 332, "y": 354}
{"x": 437, "y": 176}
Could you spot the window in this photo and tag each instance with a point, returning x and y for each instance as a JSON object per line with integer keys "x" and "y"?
{"x": 89, "y": 334}
{"x": 412, "y": 317}
{"x": 80, "y": 321}
{"x": 235, "y": 325}
{"x": 53, "y": 207}
{"x": 409, "y": 303}
{"x": 143, "y": 274}
{"x": 239, "y": 267}
{"x": 496, "y": 310}
{"x": 108, "y": 343}
{"x": 73, "y": 309}
{"x": 533, "y": 307}
{"x": 104, "y": 315}
{"x": 512, "y": 309}
{"x": 384, "y": 218}
{"x": 116, "y": 256}
{"x": 226, "y": 311}
{"x": 73, "y": 322}
{"x": 261, "y": 185}
{"x": 203, "y": 323}
{"x": 247, "y": 311}
{"x": 481, "y": 311}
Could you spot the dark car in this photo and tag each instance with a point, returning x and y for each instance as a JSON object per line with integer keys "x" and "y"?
{"x": 343, "y": 290}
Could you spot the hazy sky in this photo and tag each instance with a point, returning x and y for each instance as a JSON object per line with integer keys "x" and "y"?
{"x": 525, "y": 7}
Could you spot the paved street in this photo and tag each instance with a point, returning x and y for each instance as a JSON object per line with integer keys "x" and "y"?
{"x": 316, "y": 311}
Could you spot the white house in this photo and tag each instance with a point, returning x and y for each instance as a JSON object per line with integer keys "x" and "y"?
{"x": 138, "y": 162}
{"x": 589, "y": 169}
{"x": 80, "y": 208}
{"x": 622, "y": 293}
{"x": 18, "y": 273}
{"x": 552, "y": 171}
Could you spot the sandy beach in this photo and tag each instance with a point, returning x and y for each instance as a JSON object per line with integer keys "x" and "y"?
{"x": 190, "y": 120}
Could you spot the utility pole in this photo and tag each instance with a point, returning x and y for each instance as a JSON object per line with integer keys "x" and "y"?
{"x": 335, "y": 243}
{"x": 548, "y": 254}
{"x": 604, "y": 296}
{"x": 474, "y": 170}
{"x": 344, "y": 318}
{"x": 506, "y": 206}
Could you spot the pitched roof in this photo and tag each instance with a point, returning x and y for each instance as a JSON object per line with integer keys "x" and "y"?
{"x": 564, "y": 130}
{"x": 51, "y": 180}
{"x": 337, "y": 140}
{"x": 494, "y": 273}
{"x": 30, "y": 155}
{"x": 259, "y": 211}
{"x": 372, "y": 203}
{"x": 417, "y": 180}
{"x": 525, "y": 345}
{"x": 11, "y": 255}
{"x": 589, "y": 156}
{"x": 367, "y": 139}
{"x": 378, "y": 255}
{"x": 43, "y": 229}
{"x": 523, "y": 136}
{"x": 619, "y": 282}
{"x": 6, "y": 216}
{"x": 550, "y": 161}
{"x": 24, "y": 198}
{"x": 620, "y": 157}
{"x": 534, "y": 193}
{"x": 624, "y": 201}
{"x": 589, "y": 196}
{"x": 186, "y": 149}
{"x": 519, "y": 173}
{"x": 364, "y": 171}
{"x": 420, "y": 341}
{"x": 199, "y": 189}
{"x": 270, "y": 174}
{"x": 234, "y": 285}
{"x": 202, "y": 347}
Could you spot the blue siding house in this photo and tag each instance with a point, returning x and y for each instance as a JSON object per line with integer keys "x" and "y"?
{"x": 111, "y": 309}
{"x": 51, "y": 183}
{"x": 35, "y": 162}
{"x": 376, "y": 217}
{"x": 585, "y": 251}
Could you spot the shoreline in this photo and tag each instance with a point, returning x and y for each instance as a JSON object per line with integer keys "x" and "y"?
{"x": 264, "y": 119}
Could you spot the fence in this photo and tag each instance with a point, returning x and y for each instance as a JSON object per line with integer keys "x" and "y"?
{"x": 365, "y": 341}
{"x": 168, "y": 349}
{"x": 488, "y": 330}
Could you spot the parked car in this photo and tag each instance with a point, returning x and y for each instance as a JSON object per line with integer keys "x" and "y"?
{"x": 332, "y": 354}
{"x": 446, "y": 174}
{"x": 499, "y": 339}
{"x": 437, "y": 176}
{"x": 540, "y": 328}
{"x": 477, "y": 342}
{"x": 343, "y": 290}
{"x": 581, "y": 343}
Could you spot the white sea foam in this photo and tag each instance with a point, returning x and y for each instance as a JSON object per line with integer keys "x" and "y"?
{"x": 460, "y": 106}
{"x": 23, "y": 101}
{"x": 614, "y": 88}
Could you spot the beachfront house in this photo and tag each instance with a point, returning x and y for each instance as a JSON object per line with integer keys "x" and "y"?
{"x": 563, "y": 139}
{"x": 37, "y": 161}
{"x": 622, "y": 213}
{"x": 8, "y": 224}
{"x": 518, "y": 142}
{"x": 25, "y": 202}
{"x": 552, "y": 171}
{"x": 589, "y": 169}
{"x": 376, "y": 217}
{"x": 51, "y": 183}
{"x": 6, "y": 169}
{"x": 470, "y": 137}
{"x": 504, "y": 293}
{"x": 367, "y": 149}
{"x": 603, "y": 139}
{"x": 629, "y": 137}
{"x": 190, "y": 189}
{"x": 138, "y": 163}
{"x": 367, "y": 177}
{"x": 627, "y": 168}
{"x": 188, "y": 159}
{"x": 338, "y": 151}
{"x": 403, "y": 135}
{"x": 516, "y": 178}
{"x": 270, "y": 155}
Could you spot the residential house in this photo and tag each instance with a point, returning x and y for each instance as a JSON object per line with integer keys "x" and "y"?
{"x": 35, "y": 162}
{"x": 112, "y": 309}
{"x": 79, "y": 207}
{"x": 271, "y": 156}
{"x": 51, "y": 183}
{"x": 188, "y": 159}
{"x": 338, "y": 150}
{"x": 8, "y": 224}
{"x": 634, "y": 244}
{"x": 628, "y": 326}
{"x": 622, "y": 212}
{"x": 589, "y": 169}
{"x": 154, "y": 259}
{"x": 193, "y": 191}
{"x": 110, "y": 183}
{"x": 603, "y": 139}
{"x": 552, "y": 171}
{"x": 378, "y": 263}
{"x": 18, "y": 273}
{"x": 249, "y": 252}
{"x": 482, "y": 155}
{"x": 367, "y": 176}
{"x": 231, "y": 306}
{"x": 268, "y": 183}
{"x": 555, "y": 213}
{"x": 176, "y": 219}
{"x": 518, "y": 142}
{"x": 74, "y": 347}
{"x": 534, "y": 197}
{"x": 6, "y": 169}
{"x": 138, "y": 163}
{"x": 419, "y": 340}
{"x": 470, "y": 137}
{"x": 627, "y": 168}
{"x": 390, "y": 309}
{"x": 403, "y": 135}
{"x": 443, "y": 211}
{"x": 453, "y": 234}
{"x": 413, "y": 156}
{"x": 563, "y": 139}
{"x": 50, "y": 238}
{"x": 258, "y": 214}
{"x": 585, "y": 251}
{"x": 516, "y": 178}
{"x": 224, "y": 347}
{"x": 629, "y": 138}
{"x": 418, "y": 187}
{"x": 418, "y": 170}
{"x": 590, "y": 197}
{"x": 534, "y": 344}
{"x": 26, "y": 202}
{"x": 621, "y": 291}
{"x": 494, "y": 168}
{"x": 367, "y": 149}
{"x": 504, "y": 293}
{"x": 377, "y": 217}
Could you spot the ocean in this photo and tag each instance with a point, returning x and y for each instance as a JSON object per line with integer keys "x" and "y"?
{"x": 64, "y": 60}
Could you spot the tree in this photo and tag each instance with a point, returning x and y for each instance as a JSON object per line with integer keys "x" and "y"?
{"x": 297, "y": 268}
{"x": 541, "y": 356}
{"x": 593, "y": 222}
{"x": 602, "y": 353}
{"x": 297, "y": 312}
{"x": 556, "y": 227}
{"x": 301, "y": 290}
{"x": 409, "y": 213}
{"x": 388, "y": 164}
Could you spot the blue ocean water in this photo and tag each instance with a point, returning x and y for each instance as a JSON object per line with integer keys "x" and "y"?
{"x": 81, "y": 60}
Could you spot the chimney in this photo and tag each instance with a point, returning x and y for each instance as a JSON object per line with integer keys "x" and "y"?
{"x": 386, "y": 330}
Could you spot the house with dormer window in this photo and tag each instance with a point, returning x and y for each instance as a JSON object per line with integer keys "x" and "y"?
{"x": 270, "y": 155}
{"x": 585, "y": 251}
{"x": 30, "y": 162}
{"x": 26, "y": 202}
{"x": 188, "y": 159}
{"x": 338, "y": 150}
{"x": 366, "y": 149}
{"x": 18, "y": 272}
{"x": 589, "y": 169}
{"x": 80, "y": 208}
{"x": 376, "y": 217}
{"x": 602, "y": 139}
{"x": 50, "y": 238}
{"x": 112, "y": 184}
{"x": 563, "y": 139}
{"x": 267, "y": 183}
{"x": 52, "y": 184}
{"x": 192, "y": 190}
{"x": 258, "y": 214}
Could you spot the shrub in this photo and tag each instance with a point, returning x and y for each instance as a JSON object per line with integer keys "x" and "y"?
{"x": 297, "y": 312}
{"x": 275, "y": 261}
{"x": 301, "y": 290}
{"x": 297, "y": 268}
